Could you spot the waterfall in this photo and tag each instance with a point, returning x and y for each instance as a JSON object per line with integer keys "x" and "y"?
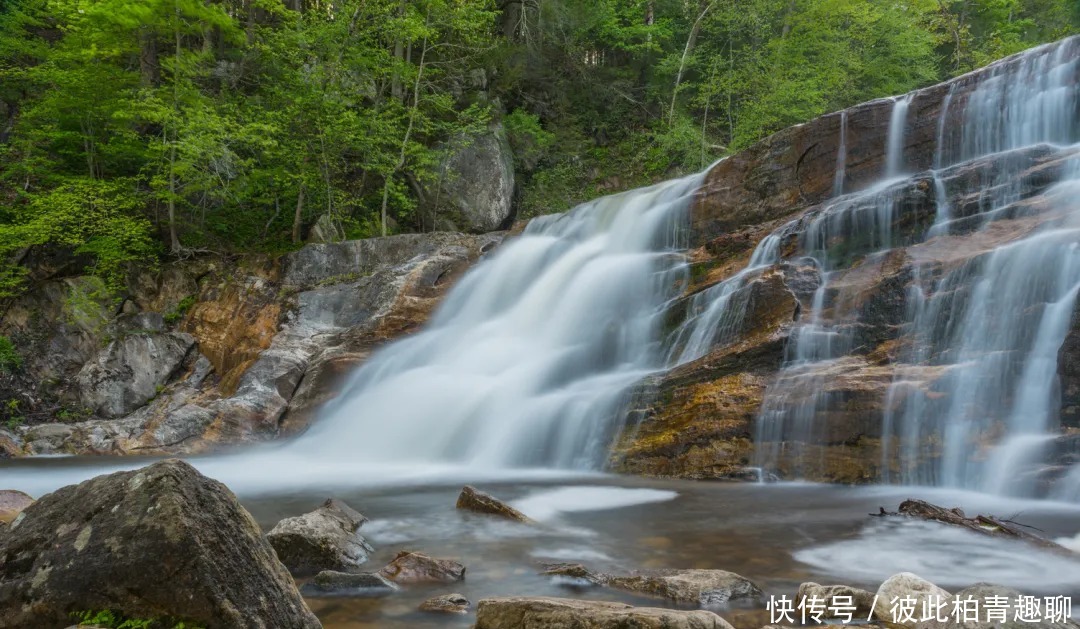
{"x": 841, "y": 157}
{"x": 894, "y": 145}
{"x": 974, "y": 393}
{"x": 529, "y": 357}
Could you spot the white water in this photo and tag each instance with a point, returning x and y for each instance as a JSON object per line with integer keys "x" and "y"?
{"x": 992, "y": 325}
{"x": 528, "y": 362}
{"x": 894, "y": 147}
{"x": 528, "y": 359}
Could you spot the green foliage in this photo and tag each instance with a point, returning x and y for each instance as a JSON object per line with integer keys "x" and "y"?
{"x": 133, "y": 130}
{"x": 177, "y": 313}
{"x": 112, "y": 620}
{"x": 10, "y": 359}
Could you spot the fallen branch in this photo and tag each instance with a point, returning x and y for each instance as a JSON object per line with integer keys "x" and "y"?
{"x": 987, "y": 525}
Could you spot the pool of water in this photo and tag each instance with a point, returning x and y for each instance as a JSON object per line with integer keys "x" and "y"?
{"x": 777, "y": 535}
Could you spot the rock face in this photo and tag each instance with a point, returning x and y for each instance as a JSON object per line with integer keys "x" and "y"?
{"x": 476, "y": 501}
{"x": 544, "y": 613}
{"x": 409, "y": 568}
{"x": 130, "y": 372}
{"x": 325, "y": 539}
{"x": 99, "y": 545}
{"x": 213, "y": 352}
{"x": 884, "y": 253}
{"x": 475, "y": 192}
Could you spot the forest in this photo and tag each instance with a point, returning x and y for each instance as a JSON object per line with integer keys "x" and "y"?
{"x": 136, "y": 131}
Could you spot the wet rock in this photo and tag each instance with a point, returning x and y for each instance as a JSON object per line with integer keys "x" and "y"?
{"x": 861, "y": 601}
{"x": 446, "y": 604}
{"x": 332, "y": 581}
{"x": 476, "y": 190}
{"x": 477, "y": 501}
{"x": 697, "y": 420}
{"x": 703, "y": 588}
{"x": 408, "y": 567}
{"x": 324, "y": 539}
{"x": 12, "y": 503}
{"x": 576, "y": 574}
{"x": 910, "y": 586}
{"x": 544, "y": 613}
{"x": 131, "y": 371}
{"x": 162, "y": 541}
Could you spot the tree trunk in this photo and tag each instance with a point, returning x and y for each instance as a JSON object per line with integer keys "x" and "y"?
{"x": 691, "y": 41}
{"x": 149, "y": 68}
{"x": 298, "y": 217}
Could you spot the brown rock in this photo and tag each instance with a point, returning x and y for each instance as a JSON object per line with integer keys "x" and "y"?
{"x": 409, "y": 567}
{"x": 546, "y": 613}
{"x": 476, "y": 501}
{"x": 12, "y": 503}
{"x": 446, "y": 604}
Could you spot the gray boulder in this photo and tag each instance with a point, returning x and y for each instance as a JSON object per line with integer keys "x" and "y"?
{"x": 130, "y": 371}
{"x": 545, "y": 613}
{"x": 325, "y": 539}
{"x": 160, "y": 542}
{"x": 475, "y": 191}
{"x": 910, "y": 586}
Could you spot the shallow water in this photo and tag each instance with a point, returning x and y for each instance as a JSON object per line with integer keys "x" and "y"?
{"x": 777, "y": 535}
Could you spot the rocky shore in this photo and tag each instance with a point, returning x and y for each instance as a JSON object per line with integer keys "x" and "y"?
{"x": 169, "y": 547}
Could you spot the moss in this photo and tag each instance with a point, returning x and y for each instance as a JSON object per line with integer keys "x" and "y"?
{"x": 115, "y": 620}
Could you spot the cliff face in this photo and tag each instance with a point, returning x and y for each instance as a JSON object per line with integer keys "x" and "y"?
{"x": 214, "y": 351}
{"x": 865, "y": 316}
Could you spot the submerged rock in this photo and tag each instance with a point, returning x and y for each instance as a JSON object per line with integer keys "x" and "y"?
{"x": 477, "y": 501}
{"x": 408, "y": 567}
{"x": 160, "y": 542}
{"x": 12, "y": 503}
{"x": 545, "y": 613}
{"x": 325, "y": 539}
{"x": 331, "y": 581}
{"x": 703, "y": 588}
{"x": 446, "y": 604}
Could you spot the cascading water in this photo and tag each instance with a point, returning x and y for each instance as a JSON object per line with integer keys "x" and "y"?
{"x": 527, "y": 360}
{"x": 972, "y": 402}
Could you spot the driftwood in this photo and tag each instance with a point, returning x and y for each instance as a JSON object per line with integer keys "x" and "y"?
{"x": 988, "y": 525}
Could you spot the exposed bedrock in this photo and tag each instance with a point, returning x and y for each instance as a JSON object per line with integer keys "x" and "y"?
{"x": 215, "y": 352}
{"x": 853, "y": 330}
